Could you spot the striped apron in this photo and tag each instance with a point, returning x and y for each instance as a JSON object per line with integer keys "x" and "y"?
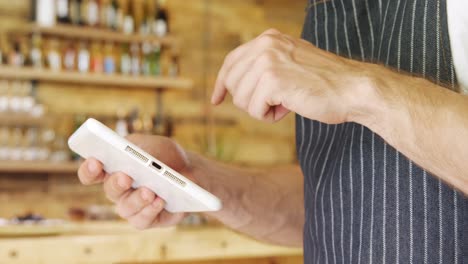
{"x": 365, "y": 202}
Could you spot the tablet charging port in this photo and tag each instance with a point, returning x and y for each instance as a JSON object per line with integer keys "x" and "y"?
{"x": 156, "y": 165}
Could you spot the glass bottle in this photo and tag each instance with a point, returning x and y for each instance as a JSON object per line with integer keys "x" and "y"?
{"x": 15, "y": 57}
{"x": 128, "y": 21}
{"x": 36, "y": 51}
{"x": 109, "y": 58}
{"x": 93, "y": 13}
{"x": 97, "y": 60}
{"x": 174, "y": 66}
{"x": 62, "y": 11}
{"x": 121, "y": 126}
{"x": 125, "y": 60}
{"x": 53, "y": 56}
{"x": 155, "y": 60}
{"x": 69, "y": 57}
{"x": 84, "y": 12}
{"x": 161, "y": 21}
{"x": 75, "y": 12}
{"x": 135, "y": 59}
{"x": 146, "y": 58}
{"x": 83, "y": 58}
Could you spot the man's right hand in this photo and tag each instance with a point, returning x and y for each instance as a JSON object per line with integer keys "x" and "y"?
{"x": 140, "y": 207}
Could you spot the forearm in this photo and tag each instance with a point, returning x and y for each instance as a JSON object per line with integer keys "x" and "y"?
{"x": 265, "y": 204}
{"x": 426, "y": 122}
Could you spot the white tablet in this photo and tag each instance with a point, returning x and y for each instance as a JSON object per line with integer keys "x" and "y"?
{"x": 93, "y": 139}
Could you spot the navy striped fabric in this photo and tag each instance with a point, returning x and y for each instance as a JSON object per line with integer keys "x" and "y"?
{"x": 365, "y": 202}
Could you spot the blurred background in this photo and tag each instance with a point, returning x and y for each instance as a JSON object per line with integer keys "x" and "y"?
{"x": 142, "y": 66}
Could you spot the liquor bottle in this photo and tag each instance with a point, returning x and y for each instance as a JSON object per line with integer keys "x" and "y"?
{"x": 109, "y": 59}
{"x": 144, "y": 28}
{"x": 146, "y": 58}
{"x": 114, "y": 15}
{"x": 75, "y": 12}
{"x": 121, "y": 126}
{"x": 36, "y": 51}
{"x": 15, "y": 57}
{"x": 174, "y": 68}
{"x": 97, "y": 63}
{"x": 103, "y": 10}
{"x": 69, "y": 57}
{"x": 93, "y": 13}
{"x": 128, "y": 22}
{"x": 161, "y": 23}
{"x": 137, "y": 12}
{"x": 125, "y": 60}
{"x": 45, "y": 12}
{"x": 83, "y": 58}
{"x": 84, "y": 12}
{"x": 54, "y": 60}
{"x": 155, "y": 61}
{"x": 135, "y": 59}
{"x": 119, "y": 6}
{"x": 62, "y": 10}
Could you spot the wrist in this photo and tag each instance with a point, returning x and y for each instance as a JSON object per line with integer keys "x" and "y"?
{"x": 366, "y": 99}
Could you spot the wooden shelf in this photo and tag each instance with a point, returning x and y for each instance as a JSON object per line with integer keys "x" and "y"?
{"x": 100, "y": 79}
{"x": 155, "y": 245}
{"x": 90, "y": 33}
{"x": 7, "y": 119}
{"x": 38, "y": 167}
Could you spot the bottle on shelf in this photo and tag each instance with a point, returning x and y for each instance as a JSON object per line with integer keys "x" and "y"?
{"x": 83, "y": 58}
{"x": 62, "y": 9}
{"x": 111, "y": 14}
{"x": 174, "y": 67}
{"x": 97, "y": 60}
{"x": 54, "y": 59}
{"x": 75, "y": 12}
{"x": 125, "y": 60}
{"x": 45, "y": 12}
{"x": 93, "y": 13}
{"x": 84, "y": 12}
{"x": 16, "y": 144}
{"x": 155, "y": 60}
{"x": 128, "y": 21}
{"x": 69, "y": 56}
{"x": 4, "y": 96}
{"x": 16, "y": 58}
{"x": 15, "y": 98}
{"x": 36, "y": 51}
{"x": 28, "y": 98}
{"x": 135, "y": 59}
{"x": 161, "y": 20}
{"x": 103, "y": 9}
{"x": 121, "y": 126}
{"x": 146, "y": 58}
{"x": 137, "y": 12}
{"x": 147, "y": 11}
{"x": 119, "y": 7}
{"x": 4, "y": 143}
{"x": 109, "y": 58}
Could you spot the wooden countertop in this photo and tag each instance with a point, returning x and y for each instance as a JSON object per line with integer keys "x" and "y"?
{"x": 117, "y": 242}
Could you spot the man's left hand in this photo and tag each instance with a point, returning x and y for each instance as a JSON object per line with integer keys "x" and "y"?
{"x": 275, "y": 74}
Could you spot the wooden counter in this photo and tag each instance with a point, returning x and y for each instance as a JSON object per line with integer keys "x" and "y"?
{"x": 117, "y": 242}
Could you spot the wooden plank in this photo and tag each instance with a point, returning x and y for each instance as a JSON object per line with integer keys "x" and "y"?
{"x": 99, "y": 79}
{"x": 38, "y": 167}
{"x": 91, "y": 33}
{"x": 152, "y": 245}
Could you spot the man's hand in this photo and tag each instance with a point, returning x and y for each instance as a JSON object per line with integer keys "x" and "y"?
{"x": 274, "y": 74}
{"x": 141, "y": 207}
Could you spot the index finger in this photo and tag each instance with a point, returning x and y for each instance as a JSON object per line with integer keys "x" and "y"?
{"x": 91, "y": 171}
